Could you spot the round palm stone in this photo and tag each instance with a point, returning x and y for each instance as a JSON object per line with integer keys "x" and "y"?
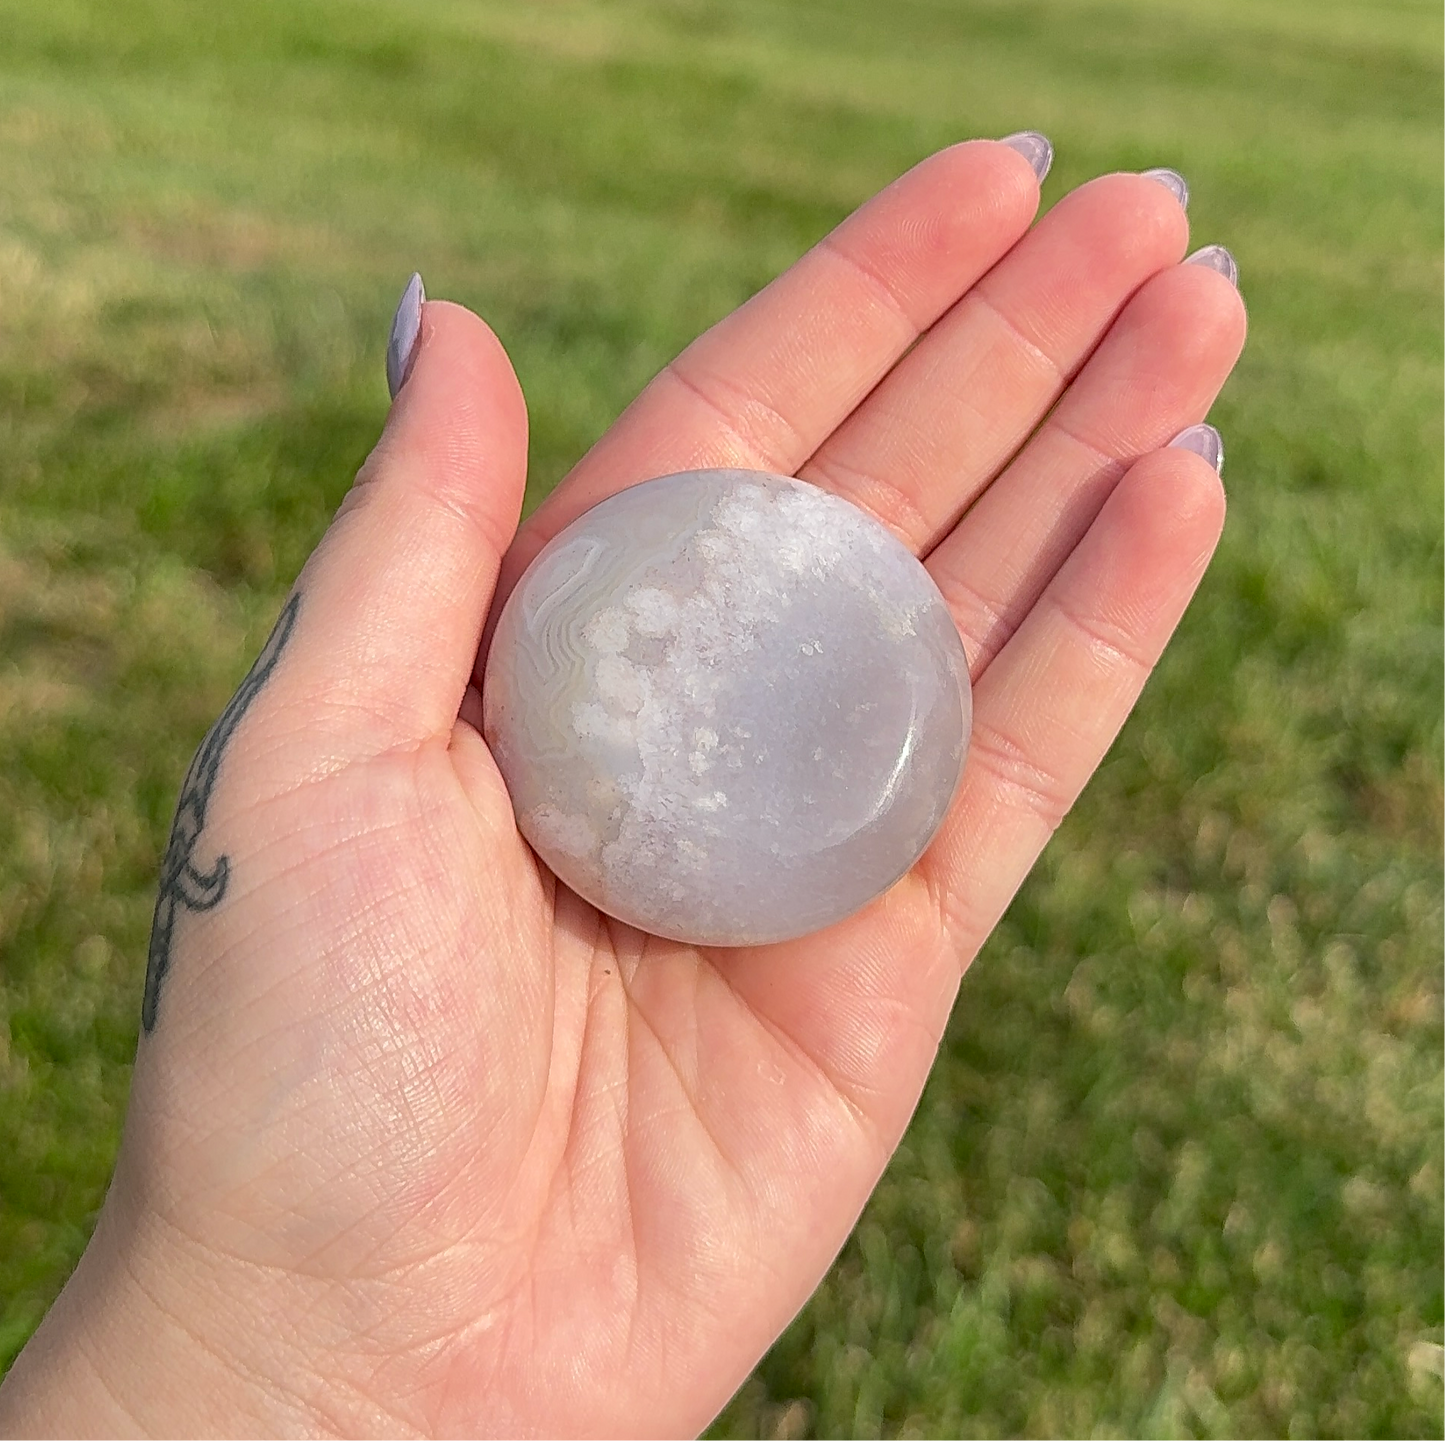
{"x": 729, "y": 707}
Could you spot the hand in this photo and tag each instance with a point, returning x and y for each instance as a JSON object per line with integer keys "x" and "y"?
{"x": 421, "y": 1142}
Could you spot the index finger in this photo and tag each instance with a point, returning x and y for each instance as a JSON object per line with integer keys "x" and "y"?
{"x": 764, "y": 387}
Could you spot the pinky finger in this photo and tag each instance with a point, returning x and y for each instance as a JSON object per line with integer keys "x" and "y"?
{"x": 1049, "y": 706}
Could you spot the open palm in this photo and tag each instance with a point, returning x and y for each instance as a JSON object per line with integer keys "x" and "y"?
{"x": 420, "y": 1140}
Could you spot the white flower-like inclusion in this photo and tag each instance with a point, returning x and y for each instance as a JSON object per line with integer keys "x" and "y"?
{"x": 729, "y": 707}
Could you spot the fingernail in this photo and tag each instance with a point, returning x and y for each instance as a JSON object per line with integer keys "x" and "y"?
{"x": 1202, "y": 440}
{"x": 1216, "y": 257}
{"x": 1034, "y": 148}
{"x": 1172, "y": 181}
{"x": 405, "y": 328}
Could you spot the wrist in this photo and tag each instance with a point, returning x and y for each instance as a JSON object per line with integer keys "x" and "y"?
{"x": 153, "y": 1336}
{"x": 58, "y": 1385}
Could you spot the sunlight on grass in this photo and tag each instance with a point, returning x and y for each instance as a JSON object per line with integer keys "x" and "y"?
{"x": 1178, "y": 1171}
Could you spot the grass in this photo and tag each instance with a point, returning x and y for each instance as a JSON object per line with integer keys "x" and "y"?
{"x": 1178, "y": 1171}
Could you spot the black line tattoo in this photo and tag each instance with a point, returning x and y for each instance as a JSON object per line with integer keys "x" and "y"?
{"x": 182, "y": 882}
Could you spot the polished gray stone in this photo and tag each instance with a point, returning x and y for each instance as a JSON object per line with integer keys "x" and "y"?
{"x": 729, "y": 707}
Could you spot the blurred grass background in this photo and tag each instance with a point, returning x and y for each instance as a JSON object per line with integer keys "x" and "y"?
{"x": 1178, "y": 1171}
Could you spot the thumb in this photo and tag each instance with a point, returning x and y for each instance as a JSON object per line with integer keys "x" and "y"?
{"x": 390, "y": 606}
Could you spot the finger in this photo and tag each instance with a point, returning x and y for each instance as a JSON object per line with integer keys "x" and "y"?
{"x": 938, "y": 429}
{"x": 1052, "y": 702}
{"x": 1158, "y": 371}
{"x": 765, "y": 386}
{"x": 393, "y": 599}
{"x": 864, "y": 1004}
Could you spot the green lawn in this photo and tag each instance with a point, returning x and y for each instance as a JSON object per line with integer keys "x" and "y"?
{"x": 1178, "y": 1171}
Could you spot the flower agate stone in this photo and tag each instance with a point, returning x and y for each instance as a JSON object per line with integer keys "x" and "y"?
{"x": 729, "y": 707}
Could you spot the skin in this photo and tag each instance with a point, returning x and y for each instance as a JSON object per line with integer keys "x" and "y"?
{"x": 422, "y": 1143}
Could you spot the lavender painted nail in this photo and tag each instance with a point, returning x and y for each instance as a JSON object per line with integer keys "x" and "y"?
{"x": 1216, "y": 257}
{"x": 405, "y": 328}
{"x": 1172, "y": 181}
{"x": 1034, "y": 148}
{"x": 1202, "y": 440}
